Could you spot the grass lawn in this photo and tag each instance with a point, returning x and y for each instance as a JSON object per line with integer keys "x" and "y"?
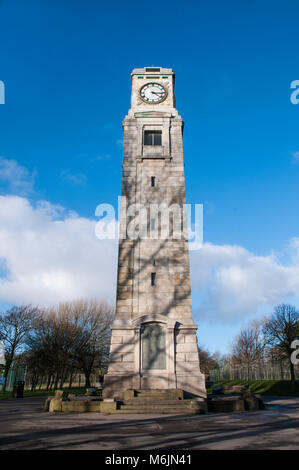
{"x": 43, "y": 393}
{"x": 264, "y": 387}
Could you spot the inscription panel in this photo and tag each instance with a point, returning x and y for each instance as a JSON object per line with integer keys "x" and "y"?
{"x": 153, "y": 345}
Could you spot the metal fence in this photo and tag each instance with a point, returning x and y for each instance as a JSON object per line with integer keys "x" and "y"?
{"x": 261, "y": 371}
{"x": 78, "y": 380}
{"x": 17, "y": 372}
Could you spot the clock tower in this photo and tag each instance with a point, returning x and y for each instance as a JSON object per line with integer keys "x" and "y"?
{"x": 153, "y": 342}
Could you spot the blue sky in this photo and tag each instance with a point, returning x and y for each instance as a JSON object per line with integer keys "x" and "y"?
{"x": 66, "y": 67}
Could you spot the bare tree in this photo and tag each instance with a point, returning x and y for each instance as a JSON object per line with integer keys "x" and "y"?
{"x": 72, "y": 336}
{"x": 91, "y": 349}
{"x": 280, "y": 330}
{"x": 206, "y": 360}
{"x": 248, "y": 346}
{"x": 15, "y": 324}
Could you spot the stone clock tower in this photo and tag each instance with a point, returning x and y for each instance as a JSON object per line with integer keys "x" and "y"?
{"x": 153, "y": 343}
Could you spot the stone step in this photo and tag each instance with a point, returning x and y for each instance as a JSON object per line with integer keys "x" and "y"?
{"x": 150, "y": 402}
{"x": 157, "y": 409}
{"x": 153, "y": 406}
{"x": 156, "y": 397}
{"x": 156, "y": 394}
{"x": 156, "y": 390}
{"x": 161, "y": 410}
{"x": 159, "y": 401}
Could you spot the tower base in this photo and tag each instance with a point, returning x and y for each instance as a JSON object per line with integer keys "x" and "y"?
{"x": 168, "y": 359}
{"x": 193, "y": 385}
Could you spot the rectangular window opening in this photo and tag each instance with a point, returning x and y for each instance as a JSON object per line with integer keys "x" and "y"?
{"x": 153, "y": 181}
{"x": 153, "y": 279}
{"x": 158, "y": 138}
{"x": 152, "y": 138}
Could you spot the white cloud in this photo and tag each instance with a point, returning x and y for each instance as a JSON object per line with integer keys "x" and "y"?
{"x": 14, "y": 178}
{"x": 50, "y": 255}
{"x": 77, "y": 179}
{"x": 234, "y": 283}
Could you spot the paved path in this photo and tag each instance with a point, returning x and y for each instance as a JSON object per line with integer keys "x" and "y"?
{"x": 23, "y": 425}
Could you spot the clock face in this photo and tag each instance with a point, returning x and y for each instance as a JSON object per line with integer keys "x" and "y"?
{"x": 153, "y": 93}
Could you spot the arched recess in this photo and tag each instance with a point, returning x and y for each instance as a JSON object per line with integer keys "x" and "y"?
{"x": 169, "y": 323}
{"x": 163, "y": 362}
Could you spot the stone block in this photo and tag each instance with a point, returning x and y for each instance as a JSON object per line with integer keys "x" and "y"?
{"x": 116, "y": 339}
{"x": 192, "y": 383}
{"x": 124, "y": 308}
{"x": 187, "y": 367}
{"x": 124, "y": 302}
{"x": 129, "y": 394}
{"x": 180, "y": 357}
{"x": 47, "y": 403}
{"x": 192, "y": 357}
{"x": 61, "y": 394}
{"x": 121, "y": 366}
{"x": 55, "y": 404}
{"x": 128, "y": 357}
{"x": 154, "y": 382}
{"x": 186, "y": 347}
{"x": 115, "y": 357}
{"x": 122, "y": 348}
{"x": 108, "y": 406}
{"x": 251, "y": 403}
{"x": 180, "y": 338}
{"x": 124, "y": 294}
{"x": 81, "y": 406}
{"x": 199, "y": 404}
{"x": 183, "y": 313}
{"x": 191, "y": 338}
{"x": 116, "y": 384}
{"x": 127, "y": 333}
{"x": 226, "y": 405}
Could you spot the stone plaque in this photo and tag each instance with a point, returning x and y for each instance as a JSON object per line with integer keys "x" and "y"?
{"x": 153, "y": 347}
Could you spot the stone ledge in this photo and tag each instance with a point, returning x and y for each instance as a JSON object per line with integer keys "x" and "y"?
{"x": 247, "y": 401}
{"x": 80, "y": 405}
{"x": 226, "y": 405}
{"x": 167, "y": 392}
{"x": 154, "y": 401}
